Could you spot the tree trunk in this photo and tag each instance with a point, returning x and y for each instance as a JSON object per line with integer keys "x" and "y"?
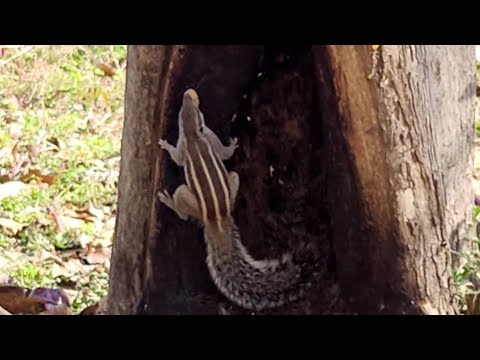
{"x": 361, "y": 153}
{"x": 400, "y": 170}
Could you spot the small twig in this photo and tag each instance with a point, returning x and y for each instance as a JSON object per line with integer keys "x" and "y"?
{"x": 20, "y": 53}
{"x": 32, "y": 93}
{"x": 102, "y": 120}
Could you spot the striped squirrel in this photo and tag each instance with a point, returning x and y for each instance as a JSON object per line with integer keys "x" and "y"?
{"x": 209, "y": 197}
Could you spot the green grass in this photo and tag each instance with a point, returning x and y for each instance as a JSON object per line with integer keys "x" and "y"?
{"x": 467, "y": 275}
{"x": 61, "y": 119}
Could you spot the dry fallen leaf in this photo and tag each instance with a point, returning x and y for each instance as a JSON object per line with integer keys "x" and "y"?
{"x": 11, "y": 226}
{"x": 96, "y": 254}
{"x": 18, "y": 166}
{"x": 58, "y": 224}
{"x": 11, "y": 188}
{"x": 37, "y": 174}
{"x": 3, "y": 311}
{"x": 15, "y": 152}
{"x": 73, "y": 219}
{"x": 68, "y": 268}
{"x": 14, "y": 300}
{"x": 107, "y": 69}
{"x": 67, "y": 283}
{"x": 61, "y": 309}
{"x": 90, "y": 310}
{"x": 92, "y": 211}
{"x": 52, "y": 296}
{"x": 39, "y": 301}
{"x": 99, "y": 308}
{"x": 69, "y": 222}
{"x": 34, "y": 152}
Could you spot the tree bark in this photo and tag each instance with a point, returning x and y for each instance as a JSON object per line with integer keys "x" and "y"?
{"x": 367, "y": 168}
{"x": 400, "y": 170}
{"x": 147, "y": 77}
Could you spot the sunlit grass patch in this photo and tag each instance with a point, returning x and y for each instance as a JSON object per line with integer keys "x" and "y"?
{"x": 61, "y": 117}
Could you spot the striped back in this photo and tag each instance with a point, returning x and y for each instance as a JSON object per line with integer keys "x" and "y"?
{"x": 207, "y": 177}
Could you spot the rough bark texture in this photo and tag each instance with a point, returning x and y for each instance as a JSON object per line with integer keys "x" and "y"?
{"x": 401, "y": 146}
{"x": 146, "y": 77}
{"x": 366, "y": 168}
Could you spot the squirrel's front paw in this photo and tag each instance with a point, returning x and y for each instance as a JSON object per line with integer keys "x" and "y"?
{"x": 165, "y": 198}
{"x": 233, "y": 143}
{"x": 163, "y": 144}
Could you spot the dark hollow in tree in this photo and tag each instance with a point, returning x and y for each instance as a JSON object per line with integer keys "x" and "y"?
{"x": 359, "y": 152}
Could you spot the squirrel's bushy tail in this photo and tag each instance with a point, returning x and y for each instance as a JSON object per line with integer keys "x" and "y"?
{"x": 259, "y": 284}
